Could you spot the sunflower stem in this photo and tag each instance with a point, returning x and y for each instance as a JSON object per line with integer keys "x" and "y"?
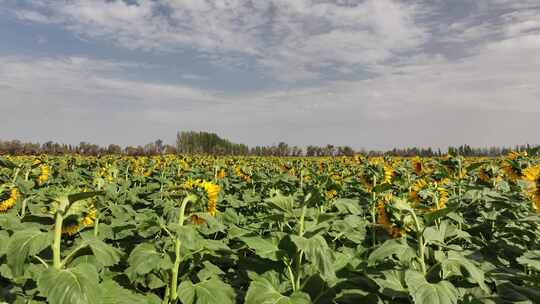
{"x": 17, "y": 171}
{"x": 291, "y": 277}
{"x": 178, "y": 243}
{"x": 420, "y": 239}
{"x": 96, "y": 226}
{"x": 57, "y": 262}
{"x": 373, "y": 213}
{"x": 301, "y": 252}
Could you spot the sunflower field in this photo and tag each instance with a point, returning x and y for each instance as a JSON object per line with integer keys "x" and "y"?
{"x": 207, "y": 230}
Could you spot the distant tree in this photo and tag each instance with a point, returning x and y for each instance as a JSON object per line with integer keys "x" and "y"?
{"x": 114, "y": 149}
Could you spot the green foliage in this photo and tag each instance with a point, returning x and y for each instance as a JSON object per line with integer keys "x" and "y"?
{"x": 78, "y": 285}
{"x": 118, "y": 229}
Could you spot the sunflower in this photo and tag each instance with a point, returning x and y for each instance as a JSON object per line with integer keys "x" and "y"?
{"x": 531, "y": 173}
{"x": 440, "y": 194}
{"x": 514, "y": 155}
{"x": 44, "y": 174}
{"x": 532, "y": 176}
{"x": 417, "y": 165}
{"x": 330, "y": 194}
{"x": 89, "y": 218}
{"x": 388, "y": 173}
{"x": 240, "y": 173}
{"x": 7, "y": 204}
{"x": 190, "y": 184}
{"x": 462, "y": 173}
{"x": 212, "y": 191}
{"x": 71, "y": 229}
{"x": 443, "y": 198}
{"x": 418, "y": 185}
{"x": 383, "y": 218}
{"x": 73, "y": 225}
{"x": 513, "y": 164}
{"x": 221, "y": 174}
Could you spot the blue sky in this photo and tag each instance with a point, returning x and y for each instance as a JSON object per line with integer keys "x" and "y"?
{"x": 366, "y": 73}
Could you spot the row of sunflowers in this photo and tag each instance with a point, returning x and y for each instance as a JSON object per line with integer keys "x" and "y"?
{"x": 208, "y": 229}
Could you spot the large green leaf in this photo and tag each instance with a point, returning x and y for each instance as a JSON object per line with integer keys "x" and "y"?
{"x": 431, "y": 217}
{"x": 318, "y": 253}
{"x": 392, "y": 284}
{"x": 518, "y": 294}
{"x": 105, "y": 254}
{"x": 209, "y": 270}
{"x": 386, "y": 250}
{"x": 23, "y": 244}
{"x": 262, "y": 291}
{"x": 189, "y": 237}
{"x": 453, "y": 264}
{"x": 347, "y": 205}
{"x": 7, "y": 163}
{"x": 4, "y": 240}
{"x": 78, "y": 285}
{"x": 142, "y": 260}
{"x": 265, "y": 248}
{"x": 424, "y": 292}
{"x": 112, "y": 293}
{"x": 83, "y": 195}
{"x": 530, "y": 259}
{"x": 281, "y": 203}
{"x": 210, "y": 291}
{"x": 432, "y": 235}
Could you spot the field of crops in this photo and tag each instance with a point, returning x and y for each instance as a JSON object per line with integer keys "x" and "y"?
{"x": 253, "y": 230}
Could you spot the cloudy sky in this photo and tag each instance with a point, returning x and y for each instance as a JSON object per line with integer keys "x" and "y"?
{"x": 366, "y": 73}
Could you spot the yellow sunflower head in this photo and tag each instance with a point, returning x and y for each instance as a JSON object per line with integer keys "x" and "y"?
{"x": 44, "y": 174}
{"x": 417, "y": 165}
{"x": 11, "y": 197}
{"x": 394, "y": 222}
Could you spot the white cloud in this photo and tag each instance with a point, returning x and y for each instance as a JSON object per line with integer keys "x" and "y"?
{"x": 289, "y": 39}
{"x": 189, "y": 76}
{"x": 94, "y": 82}
{"x": 416, "y": 95}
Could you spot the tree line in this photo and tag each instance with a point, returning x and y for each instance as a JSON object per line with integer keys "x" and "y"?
{"x": 191, "y": 142}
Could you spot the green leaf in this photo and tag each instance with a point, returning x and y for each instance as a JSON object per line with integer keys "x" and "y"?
{"x": 431, "y": 217}
{"x": 209, "y": 270}
{"x": 386, "y": 250}
{"x": 4, "y": 240}
{"x": 83, "y": 195}
{"x": 318, "y": 253}
{"x": 142, "y": 260}
{"x": 105, "y": 254}
{"x": 382, "y": 188}
{"x": 206, "y": 292}
{"x": 23, "y": 244}
{"x": 7, "y": 163}
{"x": 433, "y": 236}
{"x": 112, "y": 293}
{"x": 347, "y": 205}
{"x": 281, "y": 203}
{"x": 518, "y": 294}
{"x": 189, "y": 237}
{"x": 529, "y": 258}
{"x": 262, "y": 291}
{"x": 265, "y": 248}
{"x": 455, "y": 261}
{"x": 392, "y": 284}
{"x": 78, "y": 285}
{"x": 424, "y": 292}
